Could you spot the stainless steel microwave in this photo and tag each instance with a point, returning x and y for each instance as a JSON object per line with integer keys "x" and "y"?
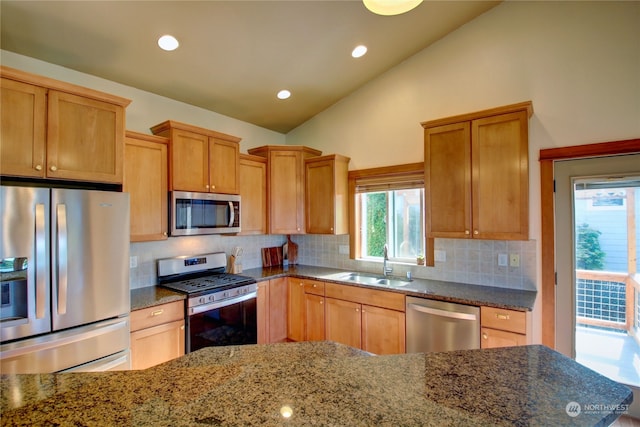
{"x": 204, "y": 213}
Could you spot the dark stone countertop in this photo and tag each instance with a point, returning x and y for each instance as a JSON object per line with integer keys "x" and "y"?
{"x": 151, "y": 296}
{"x": 327, "y": 384}
{"x": 520, "y": 300}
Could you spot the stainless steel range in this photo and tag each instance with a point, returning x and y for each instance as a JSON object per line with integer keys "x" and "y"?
{"x": 220, "y": 308}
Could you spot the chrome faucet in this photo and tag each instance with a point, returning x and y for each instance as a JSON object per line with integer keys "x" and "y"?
{"x": 386, "y": 270}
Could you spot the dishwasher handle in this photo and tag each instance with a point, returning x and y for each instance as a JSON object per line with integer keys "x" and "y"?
{"x": 442, "y": 313}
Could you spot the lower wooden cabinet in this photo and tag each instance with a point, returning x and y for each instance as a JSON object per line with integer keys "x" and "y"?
{"x": 504, "y": 328}
{"x": 157, "y": 334}
{"x": 368, "y": 319}
{"x": 272, "y": 310}
{"x": 306, "y": 312}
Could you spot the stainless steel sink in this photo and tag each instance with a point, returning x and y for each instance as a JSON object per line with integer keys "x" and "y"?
{"x": 372, "y": 279}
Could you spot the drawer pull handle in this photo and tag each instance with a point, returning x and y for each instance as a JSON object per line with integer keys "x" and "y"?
{"x": 502, "y": 316}
{"x": 156, "y": 313}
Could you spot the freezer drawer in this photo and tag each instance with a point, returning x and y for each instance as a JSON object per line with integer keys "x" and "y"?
{"x": 66, "y": 349}
{"x": 116, "y": 362}
{"x": 441, "y": 326}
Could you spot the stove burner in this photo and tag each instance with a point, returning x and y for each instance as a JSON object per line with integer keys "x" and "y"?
{"x": 208, "y": 283}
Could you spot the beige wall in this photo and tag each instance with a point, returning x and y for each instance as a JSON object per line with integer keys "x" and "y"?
{"x": 148, "y": 109}
{"x": 578, "y": 62}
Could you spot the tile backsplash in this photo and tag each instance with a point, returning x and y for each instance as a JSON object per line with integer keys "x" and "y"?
{"x": 467, "y": 261}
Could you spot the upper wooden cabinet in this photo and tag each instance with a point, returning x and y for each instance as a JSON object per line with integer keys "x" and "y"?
{"x": 52, "y": 129}
{"x": 326, "y": 195}
{"x": 201, "y": 160}
{"x": 285, "y": 186}
{"x": 477, "y": 174}
{"x": 253, "y": 191}
{"x": 145, "y": 179}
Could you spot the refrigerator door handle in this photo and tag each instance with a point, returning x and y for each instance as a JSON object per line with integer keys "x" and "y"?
{"x": 62, "y": 258}
{"x": 41, "y": 261}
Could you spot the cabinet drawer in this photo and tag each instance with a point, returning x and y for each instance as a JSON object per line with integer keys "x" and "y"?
{"x": 157, "y": 315}
{"x": 506, "y": 320}
{"x": 374, "y": 297}
{"x": 313, "y": 287}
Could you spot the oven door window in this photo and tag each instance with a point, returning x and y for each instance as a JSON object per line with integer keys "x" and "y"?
{"x": 231, "y": 325}
{"x": 13, "y": 287}
{"x": 192, "y": 213}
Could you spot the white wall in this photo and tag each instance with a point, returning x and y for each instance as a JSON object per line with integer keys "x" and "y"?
{"x": 148, "y": 109}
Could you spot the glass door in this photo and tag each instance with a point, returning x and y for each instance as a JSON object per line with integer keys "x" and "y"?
{"x": 597, "y": 215}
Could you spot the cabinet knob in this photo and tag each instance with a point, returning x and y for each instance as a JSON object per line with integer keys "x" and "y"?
{"x": 213, "y": 187}
{"x": 321, "y": 302}
{"x": 38, "y": 167}
{"x": 182, "y": 328}
{"x": 466, "y": 232}
{"x": 476, "y": 232}
{"x": 485, "y": 336}
{"x": 53, "y": 168}
{"x": 357, "y": 310}
{"x": 165, "y": 233}
{"x": 206, "y": 186}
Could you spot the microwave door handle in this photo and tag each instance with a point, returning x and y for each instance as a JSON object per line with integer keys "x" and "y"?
{"x": 62, "y": 258}
{"x": 232, "y": 214}
{"x": 41, "y": 261}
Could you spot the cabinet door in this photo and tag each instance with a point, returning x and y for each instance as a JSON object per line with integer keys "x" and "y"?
{"x": 224, "y": 166}
{"x": 23, "y": 109}
{"x": 253, "y": 191}
{"x": 343, "y": 322}
{"x": 500, "y": 176}
{"x": 493, "y": 338}
{"x": 315, "y": 318}
{"x": 286, "y": 192}
{"x": 157, "y": 344}
{"x": 383, "y": 330}
{"x": 320, "y": 198}
{"x": 189, "y": 161}
{"x": 85, "y": 139}
{"x": 278, "y": 290}
{"x": 145, "y": 179}
{"x": 447, "y": 175}
{"x": 262, "y": 312}
{"x": 296, "y": 320}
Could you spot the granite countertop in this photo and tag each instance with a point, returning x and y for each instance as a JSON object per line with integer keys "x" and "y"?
{"x": 324, "y": 383}
{"x": 152, "y": 296}
{"x": 521, "y": 300}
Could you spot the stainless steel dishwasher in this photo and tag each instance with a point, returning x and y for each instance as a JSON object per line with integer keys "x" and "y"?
{"x": 441, "y": 326}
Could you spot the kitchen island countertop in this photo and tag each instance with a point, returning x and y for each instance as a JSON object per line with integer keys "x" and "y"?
{"x": 324, "y": 383}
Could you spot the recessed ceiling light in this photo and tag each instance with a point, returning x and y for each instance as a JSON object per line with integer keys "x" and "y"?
{"x": 284, "y": 94}
{"x": 168, "y": 42}
{"x": 359, "y": 51}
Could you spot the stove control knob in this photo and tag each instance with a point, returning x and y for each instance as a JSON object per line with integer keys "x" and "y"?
{"x": 226, "y": 294}
{"x": 211, "y": 298}
{"x": 202, "y": 300}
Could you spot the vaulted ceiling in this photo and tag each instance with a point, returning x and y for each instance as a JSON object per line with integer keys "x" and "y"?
{"x": 234, "y": 56}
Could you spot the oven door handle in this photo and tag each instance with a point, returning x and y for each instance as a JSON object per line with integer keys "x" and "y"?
{"x": 222, "y": 303}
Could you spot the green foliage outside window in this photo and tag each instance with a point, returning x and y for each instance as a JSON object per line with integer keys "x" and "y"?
{"x": 376, "y": 223}
{"x": 589, "y": 255}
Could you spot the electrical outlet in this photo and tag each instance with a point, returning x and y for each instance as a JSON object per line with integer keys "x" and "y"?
{"x": 133, "y": 262}
{"x": 503, "y": 261}
{"x": 440, "y": 256}
{"x": 514, "y": 260}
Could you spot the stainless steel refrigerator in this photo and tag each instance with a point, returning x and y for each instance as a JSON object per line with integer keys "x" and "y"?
{"x": 64, "y": 278}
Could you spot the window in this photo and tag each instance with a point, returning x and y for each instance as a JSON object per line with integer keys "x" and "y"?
{"x": 395, "y": 218}
{"x": 389, "y": 209}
